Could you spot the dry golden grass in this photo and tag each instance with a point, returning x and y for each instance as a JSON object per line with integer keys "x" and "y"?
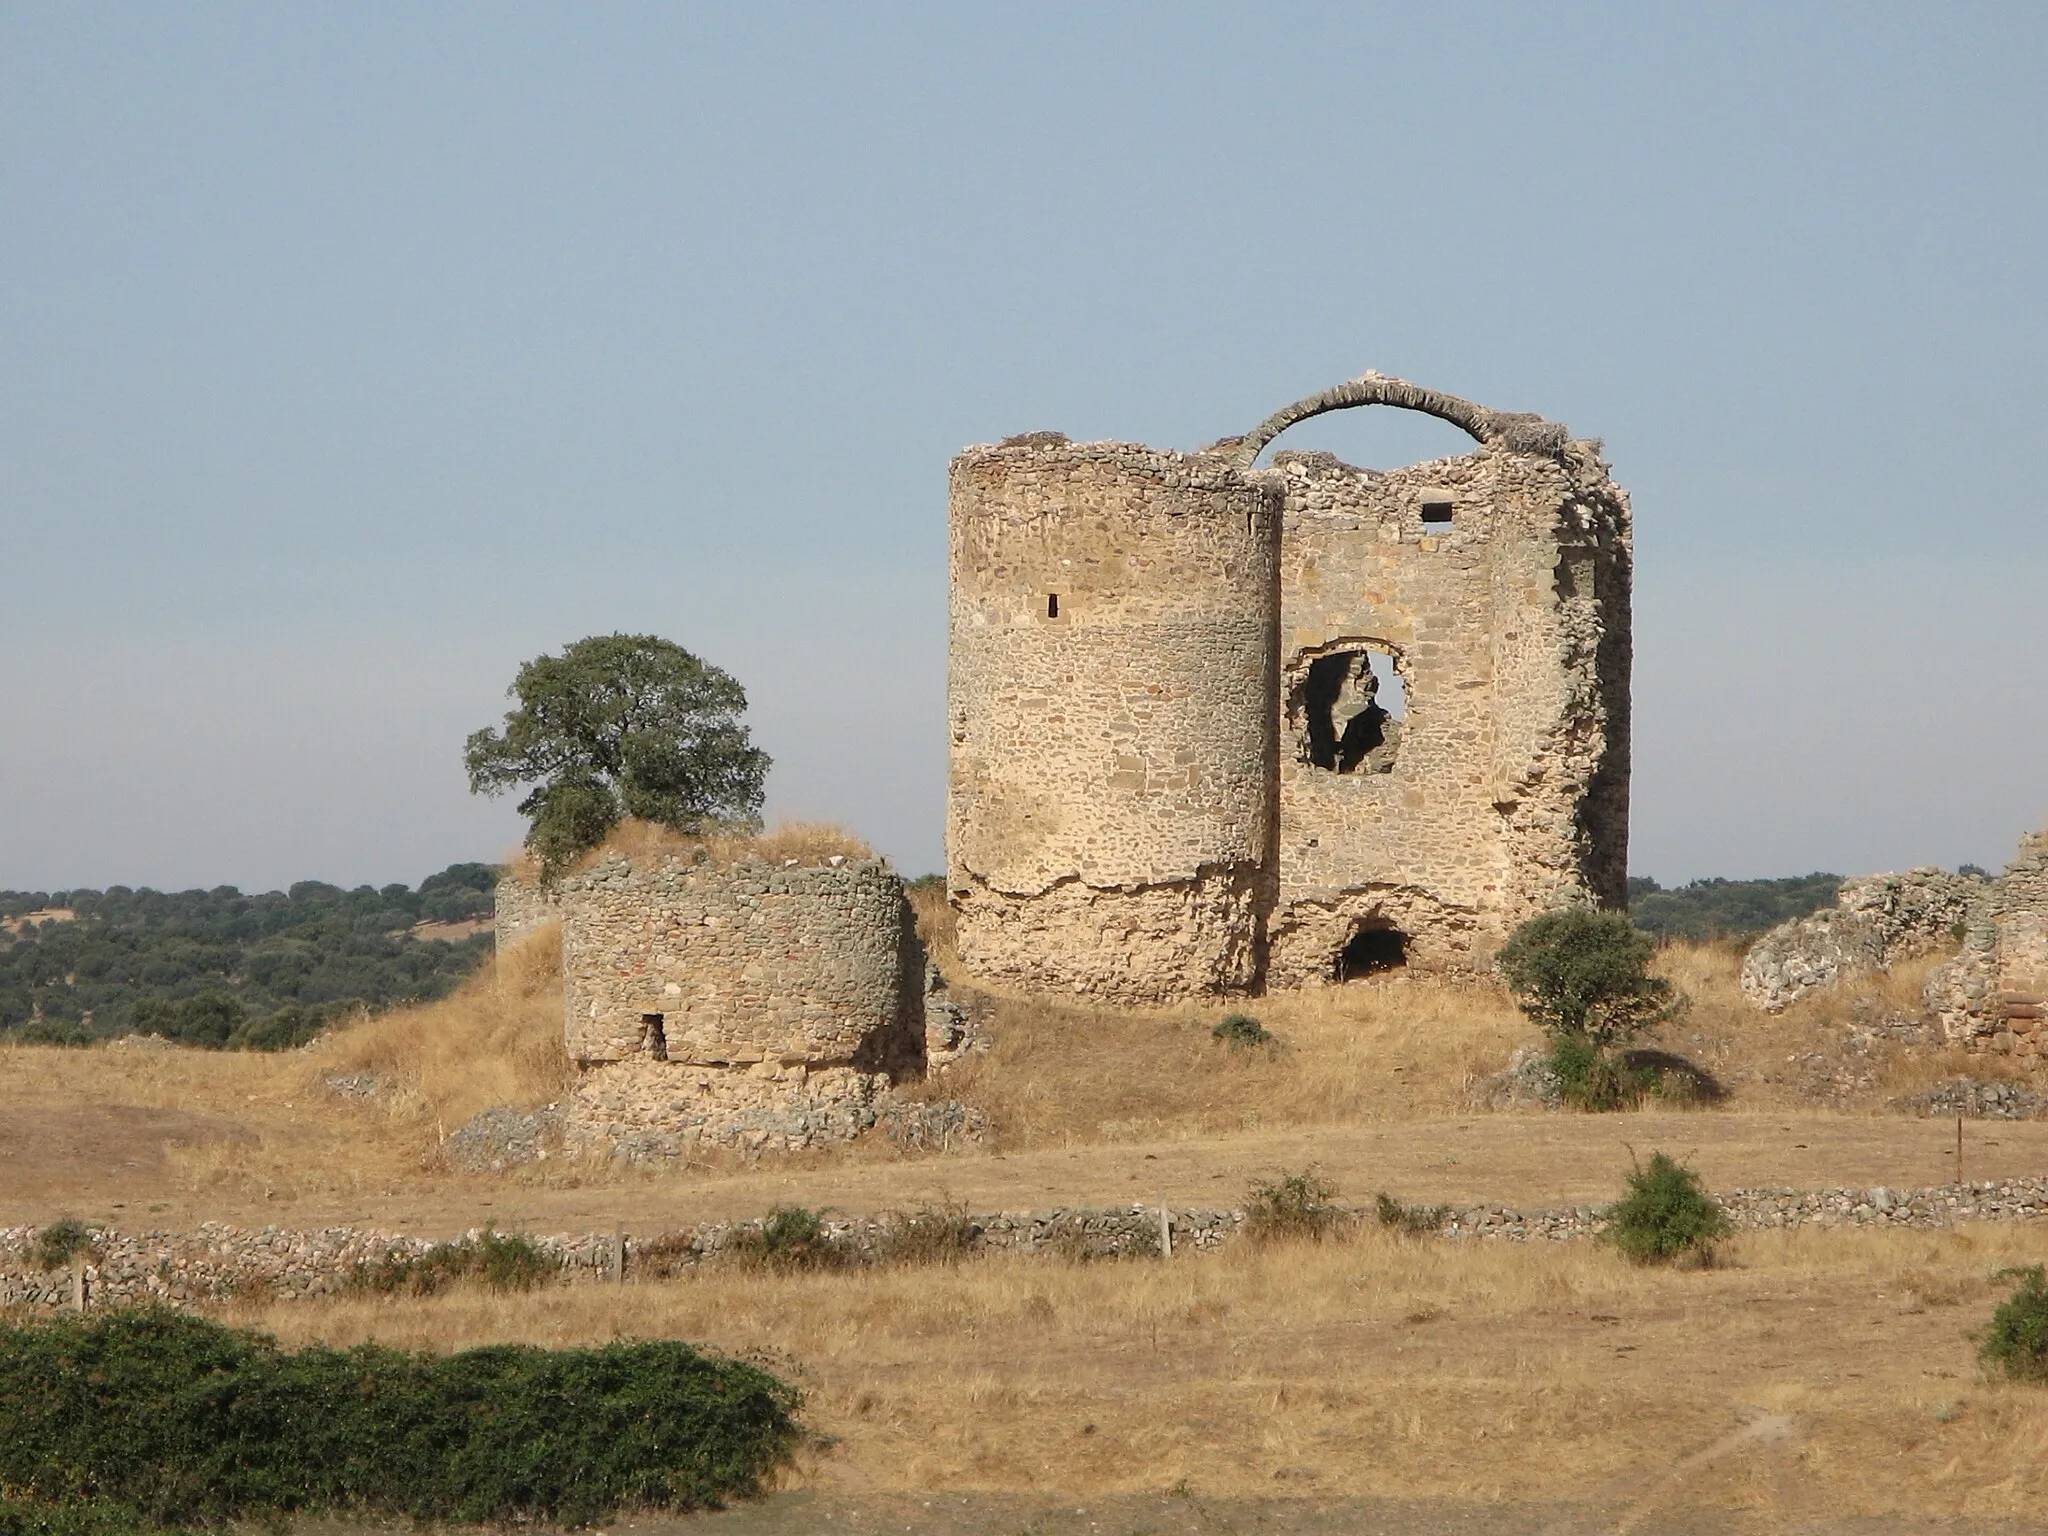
{"x": 496, "y": 1040}
{"x": 1371, "y": 1366}
{"x": 1369, "y": 1082}
{"x": 1807, "y": 1054}
{"x": 1367, "y": 1052}
{"x": 938, "y": 925}
{"x": 806, "y": 842}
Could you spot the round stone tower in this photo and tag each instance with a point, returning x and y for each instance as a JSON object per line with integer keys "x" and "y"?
{"x": 1112, "y": 707}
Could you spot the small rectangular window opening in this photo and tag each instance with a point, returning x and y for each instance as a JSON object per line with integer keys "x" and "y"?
{"x": 1437, "y": 511}
{"x": 657, "y": 1036}
{"x": 1052, "y": 605}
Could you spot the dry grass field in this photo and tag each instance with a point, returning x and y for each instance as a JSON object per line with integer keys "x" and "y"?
{"x": 1812, "y": 1378}
{"x": 1372, "y": 1082}
{"x": 1814, "y": 1375}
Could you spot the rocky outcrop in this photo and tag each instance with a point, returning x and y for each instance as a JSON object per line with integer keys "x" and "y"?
{"x": 1876, "y": 921}
{"x": 1994, "y": 995}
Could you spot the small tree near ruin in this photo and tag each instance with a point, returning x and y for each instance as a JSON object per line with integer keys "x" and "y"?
{"x": 618, "y": 726}
{"x": 1584, "y": 977}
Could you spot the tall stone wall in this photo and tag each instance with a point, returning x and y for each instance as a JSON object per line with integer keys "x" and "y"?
{"x": 1111, "y": 699}
{"x": 1172, "y": 773}
{"x": 1494, "y": 588}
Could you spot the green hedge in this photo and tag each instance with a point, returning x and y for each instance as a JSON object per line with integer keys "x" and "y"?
{"x": 178, "y": 1420}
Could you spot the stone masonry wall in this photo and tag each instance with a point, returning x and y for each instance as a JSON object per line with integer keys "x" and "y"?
{"x": 1497, "y": 583}
{"x": 1111, "y": 697}
{"x": 220, "y": 1263}
{"x": 1876, "y": 921}
{"x": 1994, "y": 995}
{"x": 521, "y": 904}
{"x": 700, "y": 997}
{"x": 1148, "y": 800}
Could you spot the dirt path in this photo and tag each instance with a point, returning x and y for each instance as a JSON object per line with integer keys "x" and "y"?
{"x": 1170, "y": 1515}
{"x": 123, "y": 1163}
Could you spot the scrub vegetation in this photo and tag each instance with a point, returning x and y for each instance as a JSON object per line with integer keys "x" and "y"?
{"x": 222, "y": 969}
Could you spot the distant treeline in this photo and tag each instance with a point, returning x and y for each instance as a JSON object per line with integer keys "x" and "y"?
{"x": 218, "y": 968}
{"x": 1726, "y": 909}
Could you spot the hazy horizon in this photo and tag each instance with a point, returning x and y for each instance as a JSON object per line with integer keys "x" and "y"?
{"x": 356, "y": 354}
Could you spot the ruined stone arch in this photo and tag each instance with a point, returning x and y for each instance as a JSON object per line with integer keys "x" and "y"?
{"x": 1518, "y": 430}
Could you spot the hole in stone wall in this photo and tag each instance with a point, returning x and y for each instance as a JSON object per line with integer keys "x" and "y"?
{"x": 1372, "y": 950}
{"x": 1052, "y": 605}
{"x": 1577, "y": 575}
{"x": 1351, "y": 705}
{"x": 1437, "y": 511}
{"x": 657, "y": 1036}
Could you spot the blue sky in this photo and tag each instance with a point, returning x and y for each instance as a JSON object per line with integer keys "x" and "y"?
{"x": 352, "y": 354}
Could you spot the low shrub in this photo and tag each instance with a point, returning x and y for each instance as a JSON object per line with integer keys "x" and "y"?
{"x": 791, "y": 1238}
{"x": 1410, "y": 1220}
{"x": 2016, "y": 1343}
{"x": 1241, "y": 1030}
{"x": 509, "y": 1261}
{"x": 59, "y": 1243}
{"x": 1594, "y": 1080}
{"x": 1666, "y": 1215}
{"x": 96, "y": 1517}
{"x": 176, "y": 1420}
{"x": 1295, "y": 1205}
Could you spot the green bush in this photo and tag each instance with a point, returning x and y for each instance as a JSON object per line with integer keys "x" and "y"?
{"x": 177, "y": 1420}
{"x": 1591, "y": 1079}
{"x": 1295, "y": 1205}
{"x": 2016, "y": 1343}
{"x": 792, "y": 1238}
{"x": 1239, "y": 1030}
{"x": 59, "y": 1243}
{"x": 497, "y": 1261}
{"x": 1583, "y": 976}
{"x": 97, "y": 1517}
{"x": 1666, "y": 1215}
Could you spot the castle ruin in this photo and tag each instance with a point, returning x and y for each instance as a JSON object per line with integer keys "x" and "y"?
{"x": 1215, "y": 727}
{"x": 740, "y": 1002}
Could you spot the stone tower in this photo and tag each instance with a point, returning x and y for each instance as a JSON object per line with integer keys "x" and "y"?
{"x": 1216, "y": 726}
{"x": 1111, "y": 703}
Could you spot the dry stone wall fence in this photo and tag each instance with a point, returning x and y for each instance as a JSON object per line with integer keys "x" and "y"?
{"x": 220, "y": 1263}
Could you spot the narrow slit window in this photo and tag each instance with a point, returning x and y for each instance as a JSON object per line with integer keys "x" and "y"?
{"x": 657, "y": 1035}
{"x": 1052, "y": 605}
{"x": 1437, "y": 511}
